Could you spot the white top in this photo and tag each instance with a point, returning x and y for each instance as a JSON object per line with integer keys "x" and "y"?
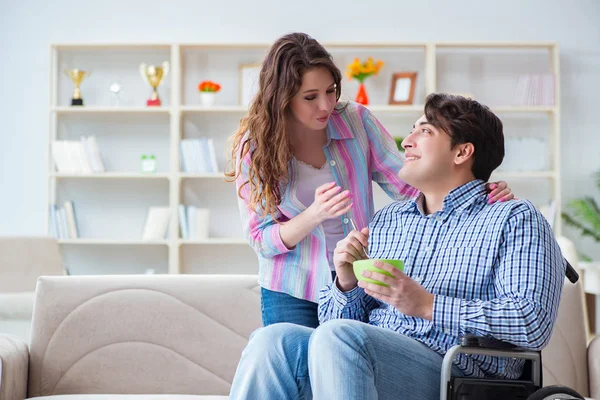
{"x": 309, "y": 179}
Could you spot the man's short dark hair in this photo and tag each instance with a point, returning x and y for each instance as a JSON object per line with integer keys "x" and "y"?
{"x": 467, "y": 121}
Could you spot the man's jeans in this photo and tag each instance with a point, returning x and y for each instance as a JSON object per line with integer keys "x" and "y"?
{"x": 341, "y": 359}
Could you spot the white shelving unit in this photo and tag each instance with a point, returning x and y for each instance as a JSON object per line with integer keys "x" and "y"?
{"x": 111, "y": 206}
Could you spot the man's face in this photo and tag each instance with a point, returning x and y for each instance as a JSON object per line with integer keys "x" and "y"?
{"x": 429, "y": 159}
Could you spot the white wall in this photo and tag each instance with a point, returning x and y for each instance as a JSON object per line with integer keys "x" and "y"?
{"x": 27, "y": 28}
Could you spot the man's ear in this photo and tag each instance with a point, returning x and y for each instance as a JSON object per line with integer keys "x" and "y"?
{"x": 464, "y": 152}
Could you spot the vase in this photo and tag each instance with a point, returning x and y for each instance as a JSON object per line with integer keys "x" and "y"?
{"x": 361, "y": 96}
{"x": 207, "y": 98}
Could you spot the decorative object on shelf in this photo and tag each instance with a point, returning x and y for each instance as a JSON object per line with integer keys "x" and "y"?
{"x": 403, "y": 88}
{"x": 115, "y": 89}
{"x": 157, "y": 223}
{"x": 585, "y": 216}
{"x": 534, "y": 90}
{"x": 360, "y": 71}
{"x": 148, "y": 163}
{"x": 198, "y": 222}
{"x": 77, "y": 76}
{"x": 208, "y": 91}
{"x": 153, "y": 75}
{"x": 249, "y": 78}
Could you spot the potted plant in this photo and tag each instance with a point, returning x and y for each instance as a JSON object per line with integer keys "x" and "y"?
{"x": 208, "y": 91}
{"x": 585, "y": 215}
{"x": 360, "y": 71}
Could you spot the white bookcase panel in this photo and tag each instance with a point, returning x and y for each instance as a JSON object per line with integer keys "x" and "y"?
{"x": 108, "y": 65}
{"x": 218, "y": 259}
{"x": 489, "y": 74}
{"x": 115, "y": 259}
{"x": 396, "y": 59}
{"x": 111, "y": 207}
{"x": 122, "y": 138}
{"x": 220, "y": 198}
{"x": 218, "y": 64}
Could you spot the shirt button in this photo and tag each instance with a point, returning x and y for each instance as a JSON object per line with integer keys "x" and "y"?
{"x": 446, "y": 331}
{"x": 428, "y": 249}
{"x": 332, "y": 163}
{"x": 419, "y": 279}
{"x": 439, "y": 219}
{"x": 346, "y": 220}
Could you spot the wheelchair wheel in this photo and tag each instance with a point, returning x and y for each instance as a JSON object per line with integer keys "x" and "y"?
{"x": 555, "y": 393}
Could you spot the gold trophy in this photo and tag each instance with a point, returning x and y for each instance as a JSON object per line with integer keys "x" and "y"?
{"x": 153, "y": 76}
{"x": 77, "y": 77}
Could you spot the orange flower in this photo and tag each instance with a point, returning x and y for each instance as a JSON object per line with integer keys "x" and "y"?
{"x": 208, "y": 86}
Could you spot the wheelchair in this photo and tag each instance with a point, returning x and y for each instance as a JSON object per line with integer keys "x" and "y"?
{"x": 528, "y": 387}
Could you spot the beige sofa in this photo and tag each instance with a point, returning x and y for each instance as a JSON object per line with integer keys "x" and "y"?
{"x": 23, "y": 260}
{"x": 183, "y": 335}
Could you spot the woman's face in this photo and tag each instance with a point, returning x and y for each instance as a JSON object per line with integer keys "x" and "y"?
{"x": 316, "y": 99}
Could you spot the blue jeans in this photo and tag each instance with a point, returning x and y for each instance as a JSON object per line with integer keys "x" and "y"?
{"x": 341, "y": 359}
{"x": 281, "y": 307}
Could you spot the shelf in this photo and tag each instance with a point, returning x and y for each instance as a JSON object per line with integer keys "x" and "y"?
{"x": 110, "y": 110}
{"x": 417, "y": 108}
{"x": 496, "y": 45}
{"x": 243, "y": 109}
{"x": 114, "y": 242}
{"x": 211, "y": 241}
{"x": 202, "y": 175}
{"x": 523, "y": 174}
{"x": 110, "y": 175}
{"x": 524, "y": 109}
{"x": 219, "y": 109}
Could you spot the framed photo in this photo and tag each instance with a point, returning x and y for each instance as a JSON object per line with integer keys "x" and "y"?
{"x": 249, "y": 74}
{"x": 403, "y": 88}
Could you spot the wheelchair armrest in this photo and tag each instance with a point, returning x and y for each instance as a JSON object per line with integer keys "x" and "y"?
{"x": 487, "y": 342}
{"x": 489, "y": 347}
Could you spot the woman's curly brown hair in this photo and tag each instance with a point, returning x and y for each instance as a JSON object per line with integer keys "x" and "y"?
{"x": 266, "y": 123}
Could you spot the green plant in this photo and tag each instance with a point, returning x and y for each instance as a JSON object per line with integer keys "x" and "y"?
{"x": 585, "y": 215}
{"x": 398, "y": 141}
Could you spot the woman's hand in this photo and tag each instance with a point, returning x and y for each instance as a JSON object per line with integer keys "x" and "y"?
{"x": 329, "y": 202}
{"x": 499, "y": 191}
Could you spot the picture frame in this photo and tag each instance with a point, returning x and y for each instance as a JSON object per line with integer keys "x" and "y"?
{"x": 402, "y": 91}
{"x": 249, "y": 76}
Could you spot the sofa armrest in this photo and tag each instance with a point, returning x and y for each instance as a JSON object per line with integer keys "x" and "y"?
{"x": 14, "y": 368}
{"x": 594, "y": 367}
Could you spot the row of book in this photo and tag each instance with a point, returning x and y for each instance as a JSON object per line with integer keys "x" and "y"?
{"x": 63, "y": 223}
{"x": 194, "y": 222}
{"x": 198, "y": 155}
{"x": 77, "y": 157}
{"x": 535, "y": 90}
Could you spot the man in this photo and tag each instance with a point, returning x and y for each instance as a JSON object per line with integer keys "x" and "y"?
{"x": 470, "y": 267}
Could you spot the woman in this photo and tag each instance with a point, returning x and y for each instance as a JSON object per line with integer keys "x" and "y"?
{"x": 304, "y": 165}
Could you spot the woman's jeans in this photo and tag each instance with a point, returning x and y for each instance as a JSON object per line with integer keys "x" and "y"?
{"x": 281, "y": 307}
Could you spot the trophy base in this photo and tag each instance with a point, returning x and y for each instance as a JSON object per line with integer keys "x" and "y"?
{"x": 76, "y": 102}
{"x": 153, "y": 103}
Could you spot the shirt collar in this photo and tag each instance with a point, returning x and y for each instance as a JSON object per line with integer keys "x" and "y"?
{"x": 337, "y": 127}
{"x": 457, "y": 200}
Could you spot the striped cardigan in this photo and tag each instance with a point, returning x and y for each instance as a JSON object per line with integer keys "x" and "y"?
{"x": 359, "y": 151}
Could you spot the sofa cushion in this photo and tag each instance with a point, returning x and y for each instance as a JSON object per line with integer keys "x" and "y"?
{"x": 180, "y": 334}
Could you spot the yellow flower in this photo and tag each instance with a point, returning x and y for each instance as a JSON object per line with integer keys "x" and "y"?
{"x": 361, "y": 70}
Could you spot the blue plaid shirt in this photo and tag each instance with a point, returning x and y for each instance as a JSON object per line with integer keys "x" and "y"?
{"x": 495, "y": 269}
